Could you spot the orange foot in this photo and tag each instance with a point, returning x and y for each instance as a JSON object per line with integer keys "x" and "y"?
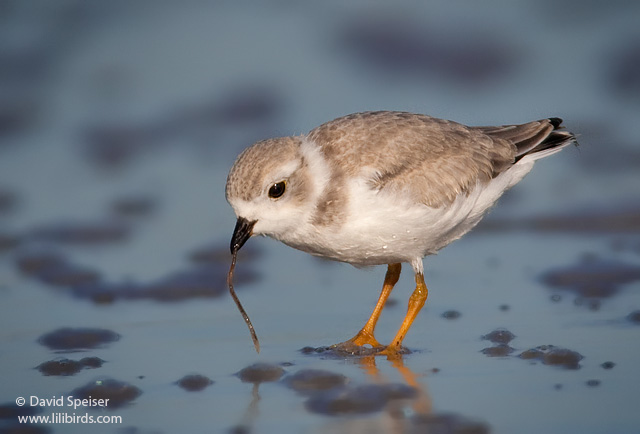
{"x": 362, "y": 344}
{"x": 357, "y": 347}
{"x": 393, "y": 352}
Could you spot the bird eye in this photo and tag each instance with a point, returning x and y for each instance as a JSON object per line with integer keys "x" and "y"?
{"x": 277, "y": 190}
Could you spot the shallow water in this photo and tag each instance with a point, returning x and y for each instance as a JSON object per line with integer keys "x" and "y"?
{"x": 118, "y": 125}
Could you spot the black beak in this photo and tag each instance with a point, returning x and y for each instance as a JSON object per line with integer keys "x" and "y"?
{"x": 241, "y": 233}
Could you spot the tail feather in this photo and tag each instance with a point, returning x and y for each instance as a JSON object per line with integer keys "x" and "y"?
{"x": 536, "y": 139}
{"x": 557, "y": 139}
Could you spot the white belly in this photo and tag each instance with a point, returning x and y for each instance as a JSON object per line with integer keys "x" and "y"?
{"x": 383, "y": 229}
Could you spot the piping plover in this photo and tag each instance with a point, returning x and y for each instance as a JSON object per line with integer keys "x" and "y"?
{"x": 380, "y": 188}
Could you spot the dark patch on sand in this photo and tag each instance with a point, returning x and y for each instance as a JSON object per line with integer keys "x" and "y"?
{"x": 133, "y": 206}
{"x": 615, "y": 219}
{"x": 194, "y": 382}
{"x": 593, "y": 277}
{"x": 119, "y": 393}
{"x": 447, "y": 423}
{"x": 499, "y": 336}
{"x": 362, "y": 399}
{"x": 77, "y": 339}
{"x": 309, "y": 381}
{"x": 66, "y": 367}
{"x": 554, "y": 356}
{"x": 260, "y": 373}
{"x": 500, "y": 350}
{"x": 469, "y": 56}
{"x": 451, "y": 314}
{"x": 82, "y": 232}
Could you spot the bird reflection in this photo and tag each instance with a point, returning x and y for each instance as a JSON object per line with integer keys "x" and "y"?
{"x": 332, "y": 394}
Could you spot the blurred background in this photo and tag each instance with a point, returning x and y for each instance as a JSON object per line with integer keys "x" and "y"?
{"x": 119, "y": 121}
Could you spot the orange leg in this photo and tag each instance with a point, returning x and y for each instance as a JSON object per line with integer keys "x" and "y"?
{"x": 365, "y": 336}
{"x": 416, "y": 301}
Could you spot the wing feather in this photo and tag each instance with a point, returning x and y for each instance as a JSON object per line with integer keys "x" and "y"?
{"x": 430, "y": 160}
{"x": 427, "y": 159}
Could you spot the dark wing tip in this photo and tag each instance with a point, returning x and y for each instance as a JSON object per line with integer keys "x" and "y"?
{"x": 555, "y": 122}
